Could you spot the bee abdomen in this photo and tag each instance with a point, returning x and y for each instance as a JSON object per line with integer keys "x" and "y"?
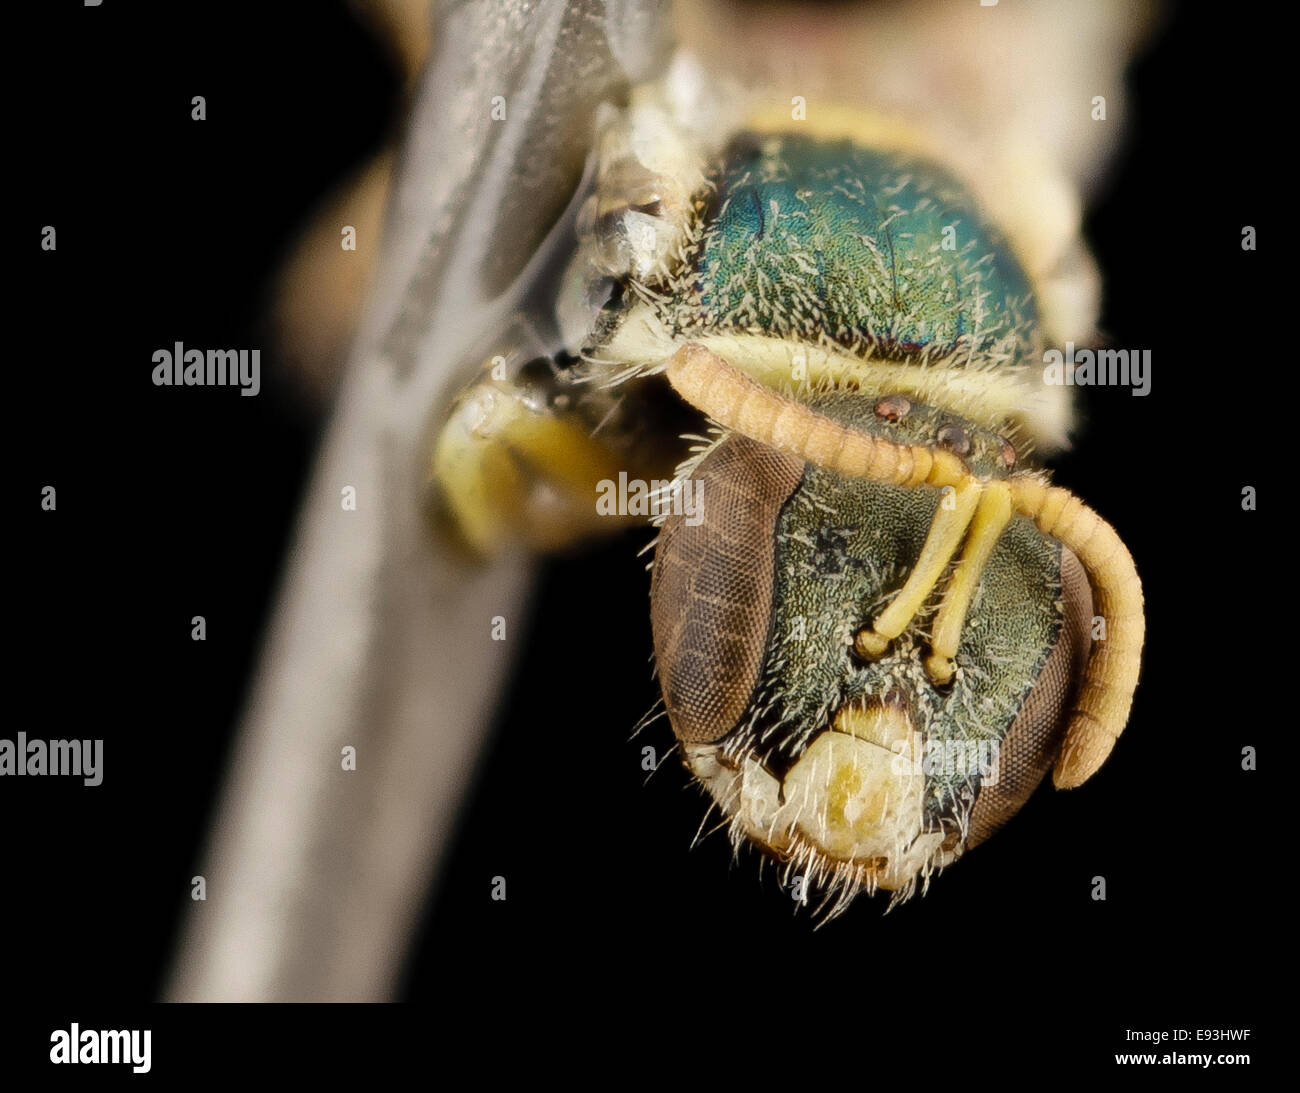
{"x": 712, "y": 587}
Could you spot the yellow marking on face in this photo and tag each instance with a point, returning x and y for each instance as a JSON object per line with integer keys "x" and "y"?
{"x": 858, "y": 795}
{"x": 883, "y": 725}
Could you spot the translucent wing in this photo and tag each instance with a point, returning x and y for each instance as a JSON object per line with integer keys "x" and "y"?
{"x": 380, "y": 643}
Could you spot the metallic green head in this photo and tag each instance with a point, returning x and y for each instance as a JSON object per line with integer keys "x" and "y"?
{"x": 857, "y": 774}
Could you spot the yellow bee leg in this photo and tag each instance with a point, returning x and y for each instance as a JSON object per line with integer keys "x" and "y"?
{"x": 990, "y": 518}
{"x": 479, "y": 482}
{"x": 1101, "y": 710}
{"x": 504, "y": 469}
{"x": 945, "y": 536}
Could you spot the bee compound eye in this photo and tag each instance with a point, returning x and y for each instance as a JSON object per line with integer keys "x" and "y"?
{"x": 712, "y": 587}
{"x": 1032, "y": 742}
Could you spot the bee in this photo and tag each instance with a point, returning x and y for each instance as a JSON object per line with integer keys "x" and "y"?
{"x": 818, "y": 343}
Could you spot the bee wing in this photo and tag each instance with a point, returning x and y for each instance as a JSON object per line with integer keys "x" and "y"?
{"x": 379, "y": 642}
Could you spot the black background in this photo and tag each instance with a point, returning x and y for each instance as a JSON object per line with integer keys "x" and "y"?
{"x": 175, "y": 502}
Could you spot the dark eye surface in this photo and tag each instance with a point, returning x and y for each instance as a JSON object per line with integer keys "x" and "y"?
{"x": 1031, "y": 743}
{"x": 712, "y": 587}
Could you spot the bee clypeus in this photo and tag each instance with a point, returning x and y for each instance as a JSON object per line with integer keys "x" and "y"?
{"x": 882, "y": 625}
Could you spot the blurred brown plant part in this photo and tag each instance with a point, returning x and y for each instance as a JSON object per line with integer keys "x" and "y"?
{"x": 321, "y": 287}
{"x": 404, "y": 26}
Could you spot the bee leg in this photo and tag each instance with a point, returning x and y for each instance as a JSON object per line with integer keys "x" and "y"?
{"x": 991, "y": 516}
{"x": 945, "y": 536}
{"x": 1102, "y": 706}
{"x": 505, "y": 469}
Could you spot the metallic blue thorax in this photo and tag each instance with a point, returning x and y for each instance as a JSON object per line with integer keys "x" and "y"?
{"x": 827, "y": 241}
